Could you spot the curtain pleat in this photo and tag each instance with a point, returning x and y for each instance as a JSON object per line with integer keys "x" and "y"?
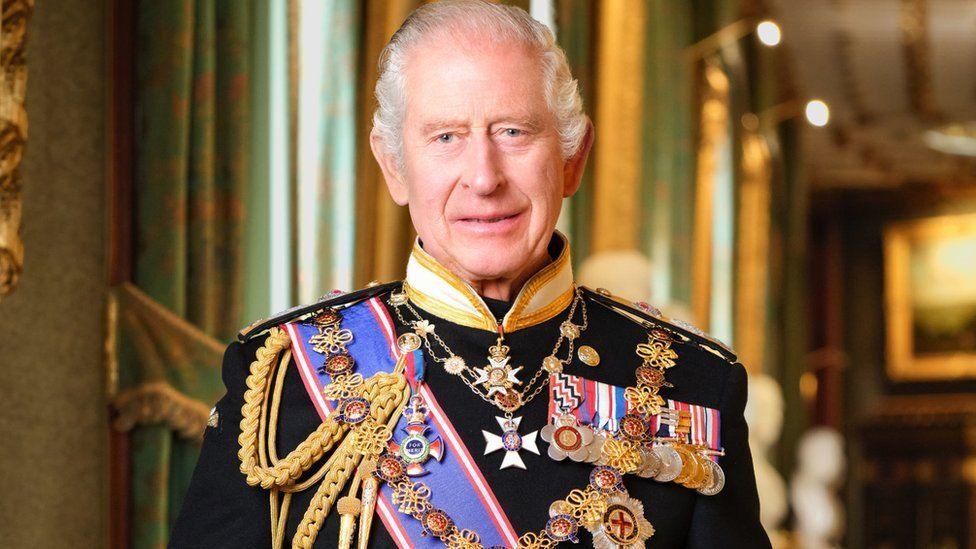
{"x": 192, "y": 120}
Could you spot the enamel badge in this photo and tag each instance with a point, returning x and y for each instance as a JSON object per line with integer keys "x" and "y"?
{"x": 510, "y": 441}
{"x": 416, "y": 448}
{"x": 622, "y": 525}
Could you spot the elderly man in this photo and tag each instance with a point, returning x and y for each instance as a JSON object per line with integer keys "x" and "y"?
{"x": 485, "y": 400}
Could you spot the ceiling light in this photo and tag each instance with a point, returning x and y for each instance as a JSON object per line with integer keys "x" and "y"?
{"x": 818, "y": 113}
{"x": 769, "y": 33}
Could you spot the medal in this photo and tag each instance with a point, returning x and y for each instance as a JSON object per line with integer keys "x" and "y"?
{"x": 498, "y": 376}
{"x": 717, "y": 480}
{"x": 567, "y": 438}
{"x": 510, "y": 441}
{"x": 416, "y": 448}
{"x": 670, "y": 463}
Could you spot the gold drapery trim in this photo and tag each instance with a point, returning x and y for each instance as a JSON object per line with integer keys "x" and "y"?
{"x": 158, "y": 334}
{"x": 620, "y": 85}
{"x": 159, "y": 402}
{"x": 752, "y": 251}
{"x": 165, "y": 344}
{"x": 13, "y": 137}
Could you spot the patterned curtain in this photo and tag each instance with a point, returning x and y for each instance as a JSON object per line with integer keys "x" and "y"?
{"x": 192, "y": 106}
{"x": 668, "y": 166}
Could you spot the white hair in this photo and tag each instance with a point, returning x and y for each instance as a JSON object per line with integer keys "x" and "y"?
{"x": 500, "y": 23}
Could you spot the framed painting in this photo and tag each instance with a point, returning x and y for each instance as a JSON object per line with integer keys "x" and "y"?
{"x": 930, "y": 298}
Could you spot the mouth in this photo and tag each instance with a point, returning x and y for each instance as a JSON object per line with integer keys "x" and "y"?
{"x": 490, "y": 224}
{"x": 487, "y": 220}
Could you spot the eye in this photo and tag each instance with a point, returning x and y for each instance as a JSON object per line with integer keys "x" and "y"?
{"x": 513, "y": 132}
{"x": 445, "y": 137}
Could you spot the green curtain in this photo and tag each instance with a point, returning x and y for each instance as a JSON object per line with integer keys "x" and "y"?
{"x": 192, "y": 91}
{"x": 575, "y": 33}
{"x": 668, "y": 189}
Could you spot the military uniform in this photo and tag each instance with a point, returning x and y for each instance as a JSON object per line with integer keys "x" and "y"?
{"x": 455, "y": 485}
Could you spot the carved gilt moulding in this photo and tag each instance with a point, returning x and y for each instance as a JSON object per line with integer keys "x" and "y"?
{"x": 13, "y": 136}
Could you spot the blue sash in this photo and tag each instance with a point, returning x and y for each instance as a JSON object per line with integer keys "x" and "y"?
{"x": 456, "y": 483}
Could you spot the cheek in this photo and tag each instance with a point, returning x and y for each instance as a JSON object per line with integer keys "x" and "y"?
{"x": 541, "y": 180}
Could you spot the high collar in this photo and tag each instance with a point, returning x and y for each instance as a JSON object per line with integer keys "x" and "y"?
{"x": 435, "y": 289}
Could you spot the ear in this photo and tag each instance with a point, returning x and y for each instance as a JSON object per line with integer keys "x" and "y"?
{"x": 576, "y": 165}
{"x": 390, "y": 168}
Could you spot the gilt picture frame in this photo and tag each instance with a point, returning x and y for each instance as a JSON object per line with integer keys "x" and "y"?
{"x": 930, "y": 298}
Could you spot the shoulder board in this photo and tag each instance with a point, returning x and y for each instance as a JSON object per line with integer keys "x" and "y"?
{"x": 651, "y": 317}
{"x": 328, "y": 300}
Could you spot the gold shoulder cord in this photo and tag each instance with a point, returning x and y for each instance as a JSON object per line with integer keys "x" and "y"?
{"x": 387, "y": 394}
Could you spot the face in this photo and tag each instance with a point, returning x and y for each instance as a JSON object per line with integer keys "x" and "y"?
{"x": 482, "y": 172}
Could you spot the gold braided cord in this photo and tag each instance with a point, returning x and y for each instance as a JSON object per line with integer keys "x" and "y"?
{"x": 305, "y": 454}
{"x": 326, "y": 494}
{"x": 387, "y": 407}
{"x": 387, "y": 394}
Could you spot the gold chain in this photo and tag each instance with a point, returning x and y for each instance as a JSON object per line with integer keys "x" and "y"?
{"x": 551, "y": 364}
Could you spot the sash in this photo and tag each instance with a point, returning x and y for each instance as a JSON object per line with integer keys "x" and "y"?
{"x": 602, "y": 405}
{"x": 456, "y": 483}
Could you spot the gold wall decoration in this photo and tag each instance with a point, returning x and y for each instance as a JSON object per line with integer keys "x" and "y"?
{"x": 13, "y": 136}
{"x": 620, "y": 84}
{"x": 930, "y": 298}
{"x": 713, "y": 135}
{"x": 752, "y": 251}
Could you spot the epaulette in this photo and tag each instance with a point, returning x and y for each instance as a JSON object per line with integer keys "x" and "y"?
{"x": 328, "y": 300}
{"x": 650, "y": 317}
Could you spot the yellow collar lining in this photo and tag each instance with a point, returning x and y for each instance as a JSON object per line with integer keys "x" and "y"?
{"x": 435, "y": 289}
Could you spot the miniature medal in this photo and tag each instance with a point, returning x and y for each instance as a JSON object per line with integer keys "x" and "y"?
{"x": 510, "y": 441}
{"x": 622, "y": 525}
{"x": 499, "y": 376}
{"x": 416, "y": 448}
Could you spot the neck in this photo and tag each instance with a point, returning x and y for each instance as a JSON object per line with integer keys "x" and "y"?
{"x": 505, "y": 289}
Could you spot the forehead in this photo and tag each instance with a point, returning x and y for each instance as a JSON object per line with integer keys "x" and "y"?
{"x": 451, "y": 76}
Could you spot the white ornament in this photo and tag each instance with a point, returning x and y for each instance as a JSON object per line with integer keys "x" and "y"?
{"x": 510, "y": 441}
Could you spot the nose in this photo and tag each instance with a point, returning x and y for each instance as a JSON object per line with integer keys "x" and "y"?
{"x": 483, "y": 173}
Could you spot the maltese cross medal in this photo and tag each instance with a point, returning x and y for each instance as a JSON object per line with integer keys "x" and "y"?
{"x": 510, "y": 441}
{"x": 416, "y": 448}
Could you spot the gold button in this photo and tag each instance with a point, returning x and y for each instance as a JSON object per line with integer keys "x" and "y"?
{"x": 588, "y": 355}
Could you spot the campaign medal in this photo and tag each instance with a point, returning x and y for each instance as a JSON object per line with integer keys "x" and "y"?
{"x": 670, "y": 463}
{"x": 622, "y": 525}
{"x": 716, "y": 482}
{"x": 510, "y": 441}
{"x": 567, "y": 438}
{"x": 498, "y": 376}
{"x": 416, "y": 448}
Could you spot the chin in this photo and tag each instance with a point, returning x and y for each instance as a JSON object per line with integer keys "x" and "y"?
{"x": 490, "y": 262}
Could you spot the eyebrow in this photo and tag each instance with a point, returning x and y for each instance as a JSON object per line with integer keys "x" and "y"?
{"x": 437, "y": 125}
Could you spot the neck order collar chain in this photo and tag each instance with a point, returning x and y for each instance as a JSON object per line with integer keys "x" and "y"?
{"x": 497, "y": 382}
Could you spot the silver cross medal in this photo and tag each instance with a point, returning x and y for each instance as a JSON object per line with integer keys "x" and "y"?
{"x": 510, "y": 441}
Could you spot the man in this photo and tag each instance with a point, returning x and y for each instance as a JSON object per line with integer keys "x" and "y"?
{"x": 486, "y": 400}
